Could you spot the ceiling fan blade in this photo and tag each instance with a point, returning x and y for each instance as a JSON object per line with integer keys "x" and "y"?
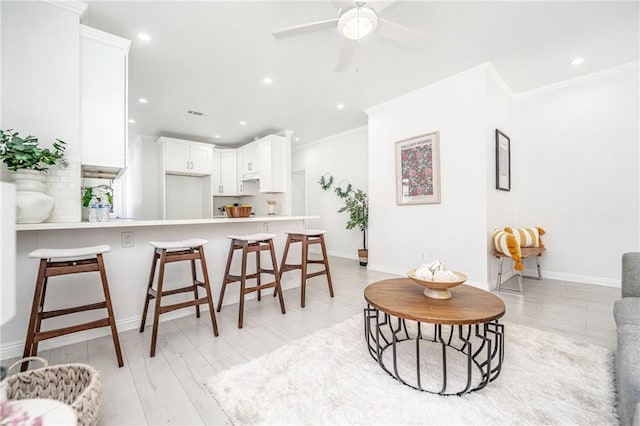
{"x": 305, "y": 28}
{"x": 400, "y": 33}
{"x": 379, "y": 6}
{"x": 347, "y": 54}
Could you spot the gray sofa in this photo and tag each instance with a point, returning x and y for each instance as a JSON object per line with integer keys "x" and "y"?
{"x": 627, "y": 314}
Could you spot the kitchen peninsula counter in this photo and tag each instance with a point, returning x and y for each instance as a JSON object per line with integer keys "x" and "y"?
{"x": 128, "y": 265}
{"x": 133, "y": 223}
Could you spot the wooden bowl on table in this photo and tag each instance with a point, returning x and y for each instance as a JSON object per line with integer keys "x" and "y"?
{"x": 437, "y": 289}
{"x": 242, "y": 211}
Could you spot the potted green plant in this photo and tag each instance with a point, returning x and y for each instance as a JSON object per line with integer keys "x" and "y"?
{"x": 356, "y": 203}
{"x": 28, "y": 162}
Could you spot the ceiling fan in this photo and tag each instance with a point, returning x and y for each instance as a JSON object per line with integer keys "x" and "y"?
{"x": 356, "y": 21}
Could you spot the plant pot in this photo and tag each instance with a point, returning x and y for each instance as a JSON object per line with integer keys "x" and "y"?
{"x": 363, "y": 256}
{"x": 33, "y": 204}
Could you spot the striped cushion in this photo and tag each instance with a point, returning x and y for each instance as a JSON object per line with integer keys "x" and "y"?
{"x": 527, "y": 237}
{"x": 506, "y": 243}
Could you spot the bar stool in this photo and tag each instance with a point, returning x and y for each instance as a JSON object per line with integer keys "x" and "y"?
{"x": 54, "y": 262}
{"x": 177, "y": 251}
{"x": 307, "y": 238}
{"x": 254, "y": 243}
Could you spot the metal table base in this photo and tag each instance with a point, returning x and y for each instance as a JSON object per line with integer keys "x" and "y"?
{"x": 482, "y": 345}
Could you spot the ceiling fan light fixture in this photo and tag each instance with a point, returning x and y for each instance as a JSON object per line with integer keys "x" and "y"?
{"x": 357, "y": 23}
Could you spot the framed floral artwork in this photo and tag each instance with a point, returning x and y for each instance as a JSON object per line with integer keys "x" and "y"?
{"x": 503, "y": 161}
{"x": 418, "y": 170}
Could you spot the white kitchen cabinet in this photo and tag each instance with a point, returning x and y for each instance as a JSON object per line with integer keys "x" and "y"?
{"x": 187, "y": 158}
{"x": 185, "y": 179}
{"x": 250, "y": 161}
{"x": 103, "y": 98}
{"x": 225, "y": 172}
{"x": 273, "y": 154}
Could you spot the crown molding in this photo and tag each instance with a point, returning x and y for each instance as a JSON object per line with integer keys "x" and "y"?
{"x": 485, "y": 67}
{"x": 329, "y": 139}
{"x": 582, "y": 79}
{"x": 106, "y": 38}
{"x": 73, "y": 6}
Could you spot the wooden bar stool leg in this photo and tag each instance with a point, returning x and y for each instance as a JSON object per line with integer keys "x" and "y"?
{"x": 258, "y": 273}
{"x": 34, "y": 346}
{"x": 112, "y": 318}
{"x": 303, "y": 272}
{"x": 325, "y": 258}
{"x": 195, "y": 285}
{"x": 156, "y": 313}
{"x": 232, "y": 248}
{"x": 243, "y": 283}
{"x": 283, "y": 262}
{"x": 276, "y": 276}
{"x": 147, "y": 298}
{"x": 37, "y": 301}
{"x": 207, "y": 287}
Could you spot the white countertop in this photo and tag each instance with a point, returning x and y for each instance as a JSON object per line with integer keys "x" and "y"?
{"x": 131, "y": 223}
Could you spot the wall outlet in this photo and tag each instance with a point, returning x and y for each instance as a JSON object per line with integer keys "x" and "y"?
{"x": 265, "y": 227}
{"x": 423, "y": 256}
{"x": 127, "y": 239}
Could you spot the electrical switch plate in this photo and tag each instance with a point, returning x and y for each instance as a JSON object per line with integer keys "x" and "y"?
{"x": 422, "y": 256}
{"x": 127, "y": 239}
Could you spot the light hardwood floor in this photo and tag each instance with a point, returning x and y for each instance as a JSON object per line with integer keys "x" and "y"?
{"x": 168, "y": 389}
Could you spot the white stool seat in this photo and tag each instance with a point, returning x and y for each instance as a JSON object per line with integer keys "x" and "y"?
{"x": 308, "y": 232}
{"x": 45, "y": 253}
{"x": 252, "y": 237}
{"x": 185, "y": 244}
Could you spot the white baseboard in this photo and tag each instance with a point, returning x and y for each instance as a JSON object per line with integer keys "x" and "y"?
{"x": 14, "y": 349}
{"x": 585, "y": 279}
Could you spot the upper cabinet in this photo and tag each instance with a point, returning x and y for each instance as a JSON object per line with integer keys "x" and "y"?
{"x": 225, "y": 178}
{"x": 249, "y": 158}
{"x": 103, "y": 99}
{"x": 273, "y": 154}
{"x": 186, "y": 157}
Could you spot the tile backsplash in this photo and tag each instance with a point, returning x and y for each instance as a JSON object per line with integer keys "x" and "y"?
{"x": 64, "y": 187}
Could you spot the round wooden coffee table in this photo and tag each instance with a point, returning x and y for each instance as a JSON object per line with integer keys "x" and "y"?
{"x": 412, "y": 336}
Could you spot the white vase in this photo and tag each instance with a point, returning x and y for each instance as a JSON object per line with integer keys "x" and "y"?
{"x": 33, "y": 204}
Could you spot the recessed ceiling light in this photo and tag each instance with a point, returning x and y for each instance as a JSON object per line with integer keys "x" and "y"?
{"x": 340, "y": 106}
{"x": 132, "y": 121}
{"x": 144, "y": 37}
{"x": 297, "y": 139}
{"x": 267, "y": 80}
{"x": 217, "y": 136}
{"x": 143, "y": 100}
{"x": 577, "y": 61}
{"x": 243, "y": 123}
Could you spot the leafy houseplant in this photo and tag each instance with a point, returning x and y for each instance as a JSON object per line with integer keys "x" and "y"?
{"x": 356, "y": 203}
{"x": 28, "y": 162}
{"x": 24, "y": 153}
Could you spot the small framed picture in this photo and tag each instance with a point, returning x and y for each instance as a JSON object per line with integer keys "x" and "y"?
{"x": 418, "y": 170}
{"x": 503, "y": 161}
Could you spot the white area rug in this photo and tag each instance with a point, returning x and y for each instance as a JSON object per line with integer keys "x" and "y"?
{"x": 330, "y": 378}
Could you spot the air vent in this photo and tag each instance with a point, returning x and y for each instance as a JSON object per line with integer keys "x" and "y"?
{"x": 197, "y": 113}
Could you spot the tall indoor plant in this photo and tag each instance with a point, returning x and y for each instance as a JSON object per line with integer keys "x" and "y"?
{"x": 356, "y": 203}
{"x": 28, "y": 163}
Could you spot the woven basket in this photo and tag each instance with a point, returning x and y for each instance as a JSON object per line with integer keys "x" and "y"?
{"x": 77, "y": 385}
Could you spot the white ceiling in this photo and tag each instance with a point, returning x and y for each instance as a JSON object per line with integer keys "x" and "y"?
{"x": 213, "y": 56}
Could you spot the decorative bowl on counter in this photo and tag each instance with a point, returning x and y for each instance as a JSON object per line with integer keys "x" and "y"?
{"x": 241, "y": 211}
{"x": 437, "y": 289}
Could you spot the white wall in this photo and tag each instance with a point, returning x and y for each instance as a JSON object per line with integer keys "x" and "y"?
{"x": 41, "y": 72}
{"x": 41, "y": 93}
{"x": 345, "y": 157}
{"x": 453, "y": 231}
{"x": 500, "y": 204}
{"x": 578, "y": 175}
{"x": 141, "y": 178}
